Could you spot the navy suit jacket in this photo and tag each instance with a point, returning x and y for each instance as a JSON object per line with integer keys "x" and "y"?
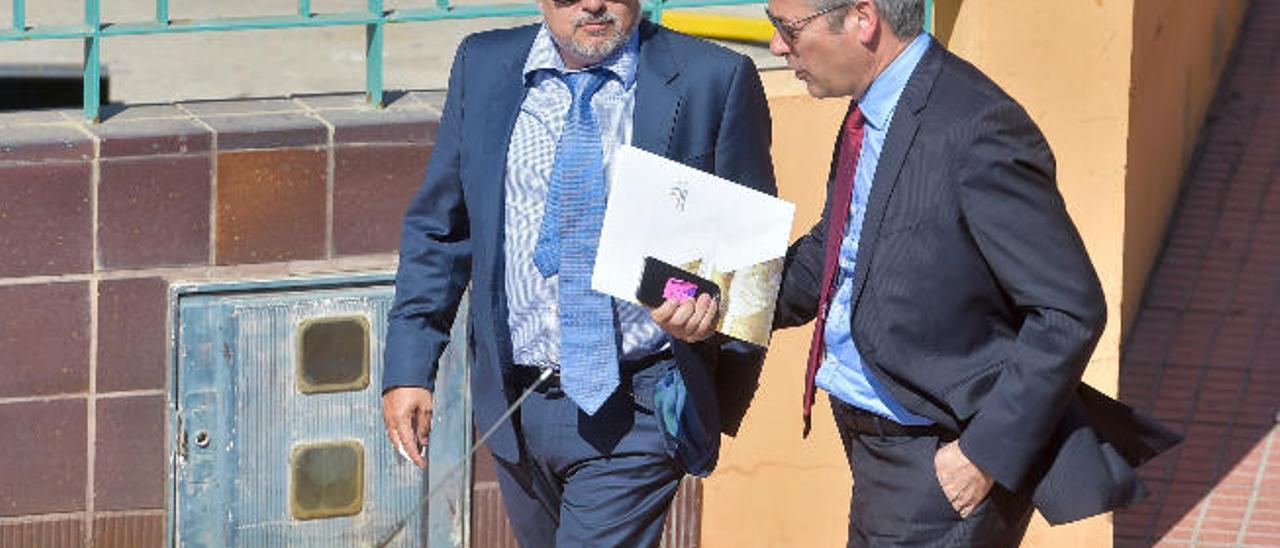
{"x": 974, "y": 300}
{"x": 696, "y": 103}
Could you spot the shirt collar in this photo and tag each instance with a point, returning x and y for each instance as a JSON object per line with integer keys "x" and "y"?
{"x": 545, "y": 56}
{"x": 881, "y": 98}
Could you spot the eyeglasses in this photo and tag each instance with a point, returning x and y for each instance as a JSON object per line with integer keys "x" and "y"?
{"x": 790, "y": 29}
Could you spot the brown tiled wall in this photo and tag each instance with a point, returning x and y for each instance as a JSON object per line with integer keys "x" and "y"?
{"x": 154, "y": 211}
{"x": 96, "y": 221}
{"x": 44, "y": 339}
{"x": 371, "y": 183}
{"x": 130, "y": 358}
{"x": 45, "y": 222}
{"x": 129, "y": 450}
{"x": 44, "y": 449}
{"x": 271, "y": 205}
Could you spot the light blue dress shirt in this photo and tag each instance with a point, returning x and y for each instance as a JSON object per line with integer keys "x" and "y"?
{"x": 532, "y": 299}
{"x": 842, "y": 373}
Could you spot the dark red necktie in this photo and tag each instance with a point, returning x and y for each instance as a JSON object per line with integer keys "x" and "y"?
{"x": 846, "y": 170}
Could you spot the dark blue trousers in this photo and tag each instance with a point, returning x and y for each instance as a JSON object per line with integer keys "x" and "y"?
{"x": 592, "y": 481}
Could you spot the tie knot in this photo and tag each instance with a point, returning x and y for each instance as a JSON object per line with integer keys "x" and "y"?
{"x": 584, "y": 84}
{"x": 856, "y": 120}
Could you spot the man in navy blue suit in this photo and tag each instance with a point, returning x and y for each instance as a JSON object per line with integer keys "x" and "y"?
{"x": 511, "y": 206}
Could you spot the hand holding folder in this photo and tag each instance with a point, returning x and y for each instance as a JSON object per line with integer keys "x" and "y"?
{"x": 731, "y": 235}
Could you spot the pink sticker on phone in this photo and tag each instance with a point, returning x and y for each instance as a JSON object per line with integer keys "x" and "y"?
{"x": 679, "y": 290}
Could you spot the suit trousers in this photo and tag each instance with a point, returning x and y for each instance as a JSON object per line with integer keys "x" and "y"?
{"x": 598, "y": 480}
{"x": 898, "y": 501}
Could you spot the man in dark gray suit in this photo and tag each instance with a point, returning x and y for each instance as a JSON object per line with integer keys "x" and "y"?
{"x": 955, "y": 304}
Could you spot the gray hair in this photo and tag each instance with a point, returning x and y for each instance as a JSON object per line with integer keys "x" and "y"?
{"x": 905, "y": 17}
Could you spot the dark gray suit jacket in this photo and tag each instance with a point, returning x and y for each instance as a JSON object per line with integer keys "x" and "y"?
{"x": 975, "y": 301}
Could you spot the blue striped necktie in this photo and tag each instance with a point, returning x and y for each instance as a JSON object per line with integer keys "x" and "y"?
{"x": 571, "y": 220}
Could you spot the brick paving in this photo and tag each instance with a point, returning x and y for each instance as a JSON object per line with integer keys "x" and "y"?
{"x": 1204, "y": 354}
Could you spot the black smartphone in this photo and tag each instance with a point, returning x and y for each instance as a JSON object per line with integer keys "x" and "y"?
{"x": 660, "y": 281}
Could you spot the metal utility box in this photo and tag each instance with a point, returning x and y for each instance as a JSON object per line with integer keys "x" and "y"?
{"x": 276, "y": 422}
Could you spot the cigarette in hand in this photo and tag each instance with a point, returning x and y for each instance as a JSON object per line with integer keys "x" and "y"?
{"x": 403, "y": 453}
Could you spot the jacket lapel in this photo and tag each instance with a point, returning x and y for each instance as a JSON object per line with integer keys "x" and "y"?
{"x": 501, "y": 99}
{"x": 657, "y": 101}
{"x": 902, "y": 133}
{"x": 500, "y": 95}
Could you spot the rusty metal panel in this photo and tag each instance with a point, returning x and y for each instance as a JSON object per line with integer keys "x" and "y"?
{"x": 264, "y": 458}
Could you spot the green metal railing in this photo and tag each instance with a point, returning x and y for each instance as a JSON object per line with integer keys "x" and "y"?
{"x": 374, "y": 18}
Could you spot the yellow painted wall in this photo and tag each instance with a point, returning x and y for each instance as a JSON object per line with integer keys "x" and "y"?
{"x": 1179, "y": 52}
{"x": 1092, "y": 74}
{"x": 772, "y": 488}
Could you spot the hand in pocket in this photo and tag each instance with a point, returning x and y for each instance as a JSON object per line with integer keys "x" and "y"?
{"x": 964, "y": 484}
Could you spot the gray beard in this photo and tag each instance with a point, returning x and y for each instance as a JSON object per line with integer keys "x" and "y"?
{"x": 595, "y": 54}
